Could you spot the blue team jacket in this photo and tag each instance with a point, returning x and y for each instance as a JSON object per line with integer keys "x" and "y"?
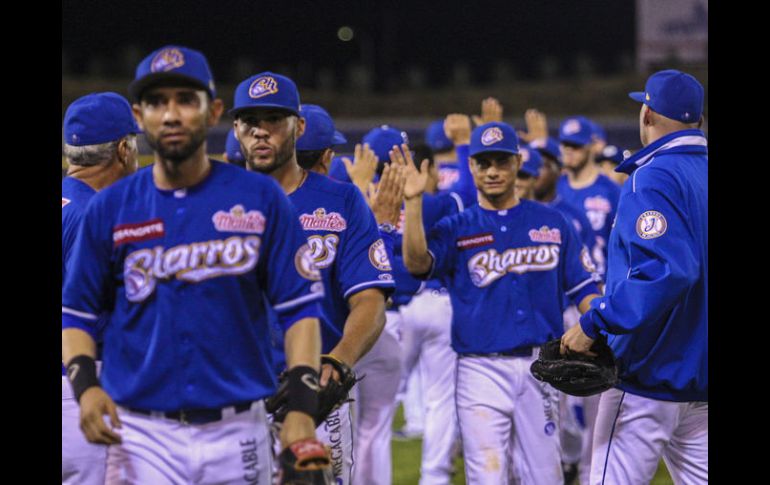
{"x": 655, "y": 307}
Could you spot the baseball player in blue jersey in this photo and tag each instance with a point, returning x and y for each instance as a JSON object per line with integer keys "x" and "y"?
{"x": 340, "y": 229}
{"x": 100, "y": 148}
{"x": 584, "y": 187}
{"x": 507, "y": 263}
{"x": 444, "y": 155}
{"x": 233, "y": 150}
{"x": 656, "y": 302}
{"x": 187, "y": 255}
{"x": 608, "y": 159}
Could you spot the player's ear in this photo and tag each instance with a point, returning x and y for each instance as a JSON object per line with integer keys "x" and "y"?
{"x": 216, "y": 108}
{"x": 137, "y": 110}
{"x": 299, "y": 127}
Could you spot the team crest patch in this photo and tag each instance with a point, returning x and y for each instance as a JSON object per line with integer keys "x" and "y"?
{"x": 571, "y": 127}
{"x": 238, "y": 220}
{"x": 651, "y": 224}
{"x": 303, "y": 261}
{"x": 263, "y": 86}
{"x": 140, "y": 231}
{"x": 319, "y": 220}
{"x": 475, "y": 240}
{"x": 546, "y": 235}
{"x": 378, "y": 256}
{"x": 491, "y": 135}
{"x": 167, "y": 60}
{"x": 64, "y": 202}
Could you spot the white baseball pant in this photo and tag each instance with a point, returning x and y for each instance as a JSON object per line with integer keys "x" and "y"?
{"x": 509, "y": 422}
{"x": 157, "y": 450}
{"x": 429, "y": 315}
{"x": 82, "y": 463}
{"x": 633, "y": 432}
{"x": 375, "y": 405}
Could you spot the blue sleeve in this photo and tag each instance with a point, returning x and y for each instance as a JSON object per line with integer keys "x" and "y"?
{"x": 292, "y": 279}
{"x": 365, "y": 262}
{"x": 441, "y": 246}
{"x": 578, "y": 270}
{"x": 465, "y": 187}
{"x": 88, "y": 282}
{"x": 662, "y": 266}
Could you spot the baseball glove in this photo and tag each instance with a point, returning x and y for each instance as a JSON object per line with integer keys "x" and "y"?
{"x": 330, "y": 397}
{"x": 576, "y": 374}
{"x": 305, "y": 462}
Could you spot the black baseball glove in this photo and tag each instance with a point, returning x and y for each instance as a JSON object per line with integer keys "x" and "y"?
{"x": 330, "y": 397}
{"x": 305, "y": 462}
{"x": 576, "y": 374}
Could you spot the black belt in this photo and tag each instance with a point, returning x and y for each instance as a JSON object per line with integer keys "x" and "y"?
{"x": 517, "y": 352}
{"x": 195, "y": 416}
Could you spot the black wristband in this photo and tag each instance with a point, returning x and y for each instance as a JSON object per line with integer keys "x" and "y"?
{"x": 303, "y": 390}
{"x": 81, "y": 371}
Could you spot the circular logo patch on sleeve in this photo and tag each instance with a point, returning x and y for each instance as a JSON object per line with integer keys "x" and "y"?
{"x": 651, "y": 224}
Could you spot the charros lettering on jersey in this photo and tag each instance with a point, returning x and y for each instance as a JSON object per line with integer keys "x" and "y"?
{"x": 323, "y": 249}
{"x": 306, "y": 267}
{"x": 192, "y": 263}
{"x": 319, "y": 220}
{"x": 238, "y": 220}
{"x": 139, "y": 231}
{"x": 488, "y": 266}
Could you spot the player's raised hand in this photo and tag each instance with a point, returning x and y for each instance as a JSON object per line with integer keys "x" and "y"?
{"x": 388, "y": 196}
{"x": 537, "y": 126}
{"x": 416, "y": 181}
{"x": 363, "y": 166}
{"x": 457, "y": 127}
{"x": 491, "y": 110}
{"x": 94, "y": 405}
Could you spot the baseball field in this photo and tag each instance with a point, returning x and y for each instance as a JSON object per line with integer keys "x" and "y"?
{"x": 406, "y": 462}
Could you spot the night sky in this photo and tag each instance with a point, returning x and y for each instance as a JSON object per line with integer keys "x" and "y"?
{"x": 390, "y": 36}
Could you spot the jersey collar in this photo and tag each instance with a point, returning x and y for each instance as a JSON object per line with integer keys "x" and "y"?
{"x": 694, "y": 141}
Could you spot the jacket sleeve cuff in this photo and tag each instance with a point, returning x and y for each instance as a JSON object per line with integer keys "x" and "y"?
{"x": 587, "y": 324}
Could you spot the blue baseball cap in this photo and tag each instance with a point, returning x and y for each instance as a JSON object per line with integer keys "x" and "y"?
{"x": 173, "y": 63}
{"x": 320, "y": 133}
{"x": 674, "y": 94}
{"x": 98, "y": 118}
{"x": 531, "y": 162}
{"x": 611, "y": 153}
{"x": 233, "y": 148}
{"x": 436, "y": 138}
{"x": 382, "y": 139}
{"x": 548, "y": 147}
{"x": 266, "y": 90}
{"x": 577, "y": 130}
{"x": 494, "y": 137}
{"x": 598, "y": 130}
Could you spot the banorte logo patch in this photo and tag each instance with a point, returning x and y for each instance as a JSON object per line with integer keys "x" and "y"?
{"x": 263, "y": 86}
{"x": 238, "y": 220}
{"x": 167, "y": 60}
{"x": 491, "y": 135}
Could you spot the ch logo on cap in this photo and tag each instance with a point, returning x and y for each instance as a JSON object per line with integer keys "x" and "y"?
{"x": 571, "y": 127}
{"x": 263, "y": 86}
{"x": 166, "y": 60}
{"x": 491, "y": 135}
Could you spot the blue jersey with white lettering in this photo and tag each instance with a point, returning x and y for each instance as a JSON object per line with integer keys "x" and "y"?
{"x": 188, "y": 275}
{"x": 506, "y": 272}
{"x": 448, "y": 175}
{"x": 599, "y": 203}
{"x": 434, "y": 208}
{"x": 345, "y": 244}
{"x": 656, "y": 303}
